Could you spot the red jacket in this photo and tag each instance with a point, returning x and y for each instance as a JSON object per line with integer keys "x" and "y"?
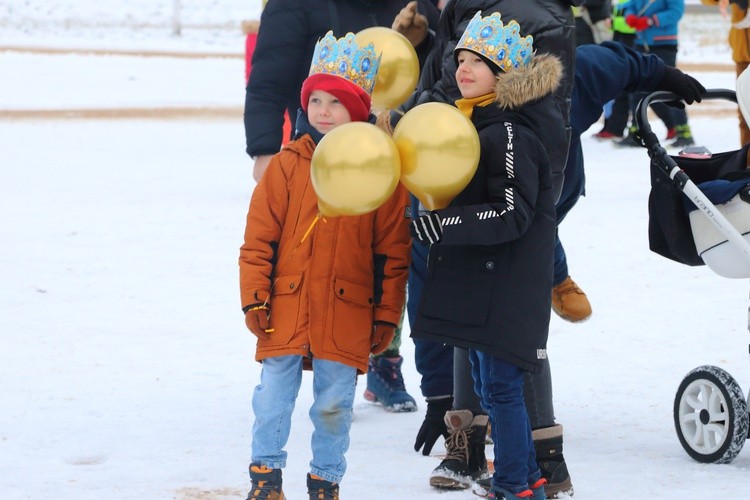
{"x": 328, "y": 290}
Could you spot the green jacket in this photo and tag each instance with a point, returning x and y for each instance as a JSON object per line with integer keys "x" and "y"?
{"x": 618, "y": 20}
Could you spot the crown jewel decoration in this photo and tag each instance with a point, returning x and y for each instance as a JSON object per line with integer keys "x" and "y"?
{"x": 501, "y": 44}
{"x": 345, "y": 58}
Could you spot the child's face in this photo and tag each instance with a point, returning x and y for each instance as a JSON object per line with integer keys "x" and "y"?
{"x": 473, "y": 76}
{"x": 325, "y": 112}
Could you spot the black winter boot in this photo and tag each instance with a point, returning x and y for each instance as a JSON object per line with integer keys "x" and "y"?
{"x": 465, "y": 460}
{"x": 548, "y": 444}
{"x": 266, "y": 483}
{"x": 320, "y": 489}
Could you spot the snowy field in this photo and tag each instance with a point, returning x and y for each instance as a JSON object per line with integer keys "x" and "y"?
{"x": 126, "y": 371}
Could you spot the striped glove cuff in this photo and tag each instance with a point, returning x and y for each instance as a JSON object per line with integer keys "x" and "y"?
{"x": 427, "y": 228}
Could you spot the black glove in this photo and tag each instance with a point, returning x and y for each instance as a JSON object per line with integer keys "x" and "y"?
{"x": 427, "y": 228}
{"x": 434, "y": 424}
{"x": 681, "y": 84}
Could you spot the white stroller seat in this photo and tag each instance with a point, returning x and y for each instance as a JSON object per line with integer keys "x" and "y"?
{"x": 721, "y": 256}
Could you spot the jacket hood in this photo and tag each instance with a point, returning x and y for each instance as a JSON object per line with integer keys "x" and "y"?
{"x": 518, "y": 87}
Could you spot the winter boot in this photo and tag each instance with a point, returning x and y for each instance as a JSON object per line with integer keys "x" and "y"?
{"x": 266, "y": 483}
{"x": 684, "y": 137}
{"x": 385, "y": 385}
{"x": 465, "y": 460}
{"x": 548, "y": 444}
{"x": 569, "y": 302}
{"x": 320, "y": 489}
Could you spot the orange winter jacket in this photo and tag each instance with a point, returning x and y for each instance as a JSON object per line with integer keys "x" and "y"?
{"x": 326, "y": 292}
{"x": 739, "y": 40}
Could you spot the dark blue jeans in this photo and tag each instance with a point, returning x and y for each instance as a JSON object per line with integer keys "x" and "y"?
{"x": 501, "y": 385}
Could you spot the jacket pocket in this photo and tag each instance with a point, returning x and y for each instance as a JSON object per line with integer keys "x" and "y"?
{"x": 441, "y": 298}
{"x": 352, "y": 316}
{"x": 285, "y": 308}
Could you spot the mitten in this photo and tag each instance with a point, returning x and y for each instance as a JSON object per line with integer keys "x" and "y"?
{"x": 382, "y": 336}
{"x": 640, "y": 23}
{"x": 434, "y": 424}
{"x": 256, "y": 320}
{"x": 427, "y": 228}
{"x": 411, "y": 24}
{"x": 681, "y": 84}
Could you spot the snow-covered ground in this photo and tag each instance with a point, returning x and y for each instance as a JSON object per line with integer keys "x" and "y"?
{"x": 125, "y": 369}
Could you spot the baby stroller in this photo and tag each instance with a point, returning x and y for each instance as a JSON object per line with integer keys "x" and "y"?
{"x": 699, "y": 210}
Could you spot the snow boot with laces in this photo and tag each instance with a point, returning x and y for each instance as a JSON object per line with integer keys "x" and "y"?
{"x": 266, "y": 483}
{"x": 320, "y": 489}
{"x": 570, "y": 302}
{"x": 465, "y": 461}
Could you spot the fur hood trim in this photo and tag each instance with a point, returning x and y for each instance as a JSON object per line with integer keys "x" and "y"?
{"x": 539, "y": 79}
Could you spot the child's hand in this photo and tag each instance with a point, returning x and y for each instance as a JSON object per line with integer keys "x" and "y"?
{"x": 382, "y": 336}
{"x": 427, "y": 228}
{"x": 256, "y": 320}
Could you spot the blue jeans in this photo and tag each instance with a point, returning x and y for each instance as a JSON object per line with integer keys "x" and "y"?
{"x": 501, "y": 385}
{"x": 331, "y": 413}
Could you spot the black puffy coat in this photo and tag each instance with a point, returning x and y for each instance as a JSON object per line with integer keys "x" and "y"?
{"x": 489, "y": 278}
{"x": 289, "y": 30}
{"x": 551, "y": 24}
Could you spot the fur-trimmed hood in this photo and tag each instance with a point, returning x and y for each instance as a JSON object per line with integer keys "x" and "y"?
{"x": 537, "y": 80}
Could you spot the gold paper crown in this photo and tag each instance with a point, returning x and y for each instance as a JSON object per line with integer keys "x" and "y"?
{"x": 501, "y": 44}
{"x": 346, "y": 59}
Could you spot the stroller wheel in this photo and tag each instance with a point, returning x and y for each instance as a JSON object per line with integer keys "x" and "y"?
{"x": 710, "y": 415}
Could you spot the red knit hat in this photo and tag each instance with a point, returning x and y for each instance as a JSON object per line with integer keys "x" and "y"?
{"x": 353, "y": 97}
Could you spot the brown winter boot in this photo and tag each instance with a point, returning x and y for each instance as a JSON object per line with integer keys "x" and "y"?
{"x": 548, "y": 444}
{"x": 465, "y": 461}
{"x": 569, "y": 302}
{"x": 266, "y": 483}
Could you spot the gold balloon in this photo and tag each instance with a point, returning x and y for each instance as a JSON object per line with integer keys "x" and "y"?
{"x": 399, "y": 66}
{"x": 439, "y": 149}
{"x": 354, "y": 169}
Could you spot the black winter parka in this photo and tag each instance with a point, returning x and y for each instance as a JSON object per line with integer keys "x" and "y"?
{"x": 489, "y": 278}
{"x": 289, "y": 30}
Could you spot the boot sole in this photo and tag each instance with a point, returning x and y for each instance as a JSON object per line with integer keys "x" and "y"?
{"x": 406, "y": 407}
{"x": 572, "y": 319}
{"x": 446, "y": 483}
{"x": 553, "y": 490}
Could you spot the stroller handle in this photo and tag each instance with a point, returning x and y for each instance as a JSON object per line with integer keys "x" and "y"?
{"x": 641, "y": 112}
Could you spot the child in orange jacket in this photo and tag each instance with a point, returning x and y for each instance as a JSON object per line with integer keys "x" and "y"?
{"x": 326, "y": 299}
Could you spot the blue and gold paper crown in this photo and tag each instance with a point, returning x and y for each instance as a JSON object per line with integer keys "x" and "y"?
{"x": 345, "y": 58}
{"x": 501, "y": 44}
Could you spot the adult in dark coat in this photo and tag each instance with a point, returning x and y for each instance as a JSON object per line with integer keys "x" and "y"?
{"x": 288, "y": 32}
{"x": 602, "y": 72}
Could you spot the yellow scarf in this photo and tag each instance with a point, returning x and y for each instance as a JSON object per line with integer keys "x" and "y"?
{"x": 466, "y": 106}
